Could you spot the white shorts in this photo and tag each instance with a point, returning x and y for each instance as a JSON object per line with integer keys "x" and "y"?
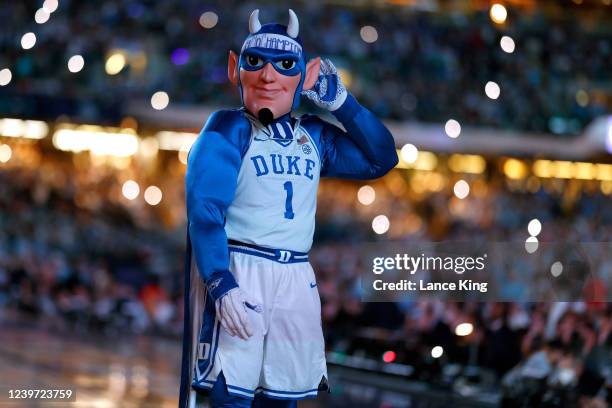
{"x": 285, "y": 358}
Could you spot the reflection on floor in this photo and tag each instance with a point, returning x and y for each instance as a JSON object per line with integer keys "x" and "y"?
{"x": 110, "y": 372}
{"x": 131, "y": 371}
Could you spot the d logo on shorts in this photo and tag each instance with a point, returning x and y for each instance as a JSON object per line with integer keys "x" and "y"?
{"x": 284, "y": 256}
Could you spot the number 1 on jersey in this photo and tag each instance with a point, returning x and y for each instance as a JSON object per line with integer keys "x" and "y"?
{"x": 288, "y": 206}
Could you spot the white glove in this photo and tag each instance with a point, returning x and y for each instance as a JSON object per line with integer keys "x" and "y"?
{"x": 328, "y": 92}
{"x": 232, "y": 312}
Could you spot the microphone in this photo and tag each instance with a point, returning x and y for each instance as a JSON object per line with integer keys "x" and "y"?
{"x": 265, "y": 116}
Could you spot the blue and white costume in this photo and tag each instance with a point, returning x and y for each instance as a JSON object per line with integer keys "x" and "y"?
{"x": 251, "y": 194}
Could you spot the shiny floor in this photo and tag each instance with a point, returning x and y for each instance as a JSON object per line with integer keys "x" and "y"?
{"x": 110, "y": 372}
{"x": 119, "y": 370}
{"x": 105, "y": 372}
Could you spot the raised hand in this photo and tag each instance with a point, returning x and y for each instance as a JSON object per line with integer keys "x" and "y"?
{"x": 328, "y": 92}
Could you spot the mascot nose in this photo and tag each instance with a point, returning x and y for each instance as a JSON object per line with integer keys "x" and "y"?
{"x": 267, "y": 73}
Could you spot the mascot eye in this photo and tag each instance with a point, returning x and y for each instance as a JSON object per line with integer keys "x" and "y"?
{"x": 287, "y": 64}
{"x": 253, "y": 61}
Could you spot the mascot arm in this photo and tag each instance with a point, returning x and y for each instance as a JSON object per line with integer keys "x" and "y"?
{"x": 210, "y": 184}
{"x": 365, "y": 151}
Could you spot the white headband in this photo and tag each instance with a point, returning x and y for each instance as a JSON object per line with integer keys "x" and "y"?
{"x": 272, "y": 41}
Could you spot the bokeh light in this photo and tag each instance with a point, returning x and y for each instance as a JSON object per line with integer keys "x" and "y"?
{"x": 366, "y": 195}
{"x": 380, "y": 224}
{"x": 464, "y": 329}
{"x": 5, "y": 76}
{"x": 160, "y": 100}
{"x": 28, "y": 40}
{"x": 461, "y": 189}
{"x": 41, "y": 16}
{"x": 50, "y": 6}
{"x": 452, "y": 128}
{"x": 153, "y": 195}
{"x": 498, "y": 13}
{"x": 5, "y": 153}
{"x": 534, "y": 227}
{"x": 180, "y": 56}
{"x": 582, "y": 98}
{"x": 115, "y": 63}
{"x": 76, "y": 63}
{"x": 389, "y": 356}
{"x": 209, "y": 19}
{"x": 409, "y": 153}
{"x": 507, "y": 44}
{"x": 437, "y": 352}
{"x": 531, "y": 245}
{"x": 515, "y": 169}
{"x": 368, "y": 34}
{"x": 556, "y": 269}
{"x": 492, "y": 90}
{"x": 130, "y": 189}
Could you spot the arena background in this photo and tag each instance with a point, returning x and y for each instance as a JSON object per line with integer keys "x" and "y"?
{"x": 501, "y": 115}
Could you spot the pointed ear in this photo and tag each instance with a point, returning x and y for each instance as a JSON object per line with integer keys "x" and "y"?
{"x": 312, "y": 73}
{"x": 232, "y": 67}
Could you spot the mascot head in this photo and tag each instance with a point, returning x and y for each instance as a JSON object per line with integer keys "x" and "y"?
{"x": 271, "y": 70}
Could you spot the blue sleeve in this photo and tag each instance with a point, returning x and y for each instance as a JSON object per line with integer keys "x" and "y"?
{"x": 210, "y": 184}
{"x": 365, "y": 151}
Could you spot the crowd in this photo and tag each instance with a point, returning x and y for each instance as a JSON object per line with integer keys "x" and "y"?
{"x": 89, "y": 269}
{"x": 106, "y": 264}
{"x": 415, "y": 65}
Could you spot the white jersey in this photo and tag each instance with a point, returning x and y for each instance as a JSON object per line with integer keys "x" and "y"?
{"x": 275, "y": 201}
